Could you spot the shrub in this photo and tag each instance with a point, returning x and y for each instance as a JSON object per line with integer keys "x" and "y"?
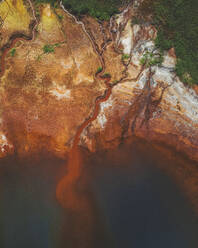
{"x": 125, "y": 56}
{"x": 106, "y": 75}
{"x": 48, "y": 48}
{"x": 12, "y": 52}
{"x": 151, "y": 59}
{"x": 99, "y": 69}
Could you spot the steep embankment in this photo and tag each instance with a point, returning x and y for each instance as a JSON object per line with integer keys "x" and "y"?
{"x": 152, "y": 103}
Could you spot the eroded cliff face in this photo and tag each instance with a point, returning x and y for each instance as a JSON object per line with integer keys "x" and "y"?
{"x": 47, "y": 95}
{"x": 150, "y": 103}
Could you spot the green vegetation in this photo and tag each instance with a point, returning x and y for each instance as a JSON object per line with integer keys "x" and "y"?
{"x": 177, "y": 24}
{"x": 125, "y": 56}
{"x": 106, "y": 75}
{"x": 99, "y": 69}
{"x": 101, "y": 9}
{"x": 13, "y": 52}
{"x": 50, "y": 48}
{"x": 151, "y": 59}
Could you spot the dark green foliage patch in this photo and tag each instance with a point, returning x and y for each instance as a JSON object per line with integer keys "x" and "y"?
{"x": 151, "y": 59}
{"x": 100, "y": 9}
{"x": 48, "y": 48}
{"x": 12, "y": 52}
{"x": 99, "y": 69}
{"x": 177, "y": 24}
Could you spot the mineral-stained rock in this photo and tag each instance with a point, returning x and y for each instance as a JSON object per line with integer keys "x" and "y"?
{"x": 46, "y": 96}
{"x": 156, "y": 106}
{"x": 49, "y": 87}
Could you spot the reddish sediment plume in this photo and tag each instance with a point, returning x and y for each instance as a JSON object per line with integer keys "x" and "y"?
{"x": 67, "y": 191}
{"x": 70, "y": 189}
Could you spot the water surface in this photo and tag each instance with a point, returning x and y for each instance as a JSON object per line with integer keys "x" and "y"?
{"x": 132, "y": 203}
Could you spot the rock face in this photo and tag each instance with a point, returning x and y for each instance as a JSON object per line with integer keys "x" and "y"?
{"x": 46, "y": 95}
{"x": 155, "y": 106}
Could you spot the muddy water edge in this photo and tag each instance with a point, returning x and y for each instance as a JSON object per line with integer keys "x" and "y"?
{"x": 134, "y": 196}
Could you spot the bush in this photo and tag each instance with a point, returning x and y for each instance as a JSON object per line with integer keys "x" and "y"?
{"x": 125, "y": 56}
{"x": 48, "y": 48}
{"x": 150, "y": 59}
{"x": 99, "y": 69}
{"x": 106, "y": 75}
{"x": 12, "y": 52}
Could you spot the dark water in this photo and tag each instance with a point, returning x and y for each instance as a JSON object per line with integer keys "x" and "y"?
{"x": 143, "y": 207}
{"x": 29, "y": 214}
{"x": 133, "y": 202}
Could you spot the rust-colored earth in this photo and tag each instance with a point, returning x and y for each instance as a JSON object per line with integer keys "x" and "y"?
{"x": 89, "y": 90}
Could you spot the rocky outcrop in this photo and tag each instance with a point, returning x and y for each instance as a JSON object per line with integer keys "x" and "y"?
{"x": 155, "y": 106}
{"x": 47, "y": 95}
